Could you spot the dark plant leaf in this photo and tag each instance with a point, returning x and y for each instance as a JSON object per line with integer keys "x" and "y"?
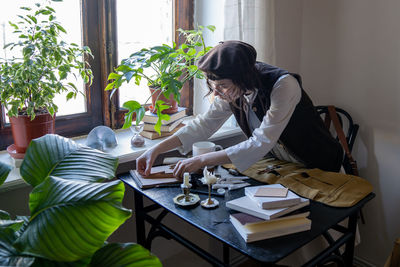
{"x": 4, "y": 215}
{"x": 5, "y": 169}
{"x": 129, "y": 254}
{"x": 59, "y": 156}
{"x": 9, "y": 256}
{"x": 40, "y": 262}
{"x": 71, "y": 219}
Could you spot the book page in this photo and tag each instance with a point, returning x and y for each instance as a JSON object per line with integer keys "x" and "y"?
{"x": 164, "y": 169}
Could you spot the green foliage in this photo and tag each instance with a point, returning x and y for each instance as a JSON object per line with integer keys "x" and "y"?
{"x": 160, "y": 107}
{"x": 30, "y": 82}
{"x": 130, "y": 254}
{"x": 95, "y": 207}
{"x": 61, "y": 157}
{"x": 165, "y": 68}
{"x": 72, "y": 213}
{"x": 4, "y": 171}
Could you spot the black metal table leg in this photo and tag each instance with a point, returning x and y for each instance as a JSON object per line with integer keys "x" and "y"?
{"x": 140, "y": 216}
{"x": 349, "y": 250}
{"x": 225, "y": 253}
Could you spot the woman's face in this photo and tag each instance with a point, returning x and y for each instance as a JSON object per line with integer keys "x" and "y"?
{"x": 225, "y": 89}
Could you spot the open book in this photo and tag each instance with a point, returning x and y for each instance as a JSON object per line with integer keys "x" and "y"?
{"x": 153, "y": 179}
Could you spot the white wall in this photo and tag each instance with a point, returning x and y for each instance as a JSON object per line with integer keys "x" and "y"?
{"x": 350, "y": 57}
{"x": 207, "y": 12}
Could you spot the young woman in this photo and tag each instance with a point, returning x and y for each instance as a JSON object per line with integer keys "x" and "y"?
{"x": 269, "y": 105}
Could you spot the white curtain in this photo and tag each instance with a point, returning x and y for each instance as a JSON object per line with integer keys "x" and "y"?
{"x": 252, "y": 21}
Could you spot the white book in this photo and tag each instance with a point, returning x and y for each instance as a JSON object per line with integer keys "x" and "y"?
{"x": 272, "y": 202}
{"x": 246, "y": 205}
{"x": 253, "y": 229}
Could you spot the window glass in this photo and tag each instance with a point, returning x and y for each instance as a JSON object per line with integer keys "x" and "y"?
{"x": 141, "y": 24}
{"x": 67, "y": 13}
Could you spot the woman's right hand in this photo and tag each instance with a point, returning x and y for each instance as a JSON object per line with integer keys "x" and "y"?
{"x": 145, "y": 162}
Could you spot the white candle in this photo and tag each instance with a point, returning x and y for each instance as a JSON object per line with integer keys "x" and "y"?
{"x": 186, "y": 179}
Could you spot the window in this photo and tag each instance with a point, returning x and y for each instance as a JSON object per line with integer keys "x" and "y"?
{"x": 158, "y": 30}
{"x": 98, "y": 30}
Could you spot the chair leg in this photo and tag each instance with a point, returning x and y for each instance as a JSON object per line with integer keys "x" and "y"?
{"x": 362, "y": 216}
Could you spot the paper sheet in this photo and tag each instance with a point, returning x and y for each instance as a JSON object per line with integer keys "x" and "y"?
{"x": 164, "y": 168}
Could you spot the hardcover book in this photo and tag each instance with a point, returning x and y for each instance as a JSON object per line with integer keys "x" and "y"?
{"x": 253, "y": 229}
{"x": 247, "y": 205}
{"x": 155, "y": 135}
{"x": 164, "y": 128}
{"x": 267, "y": 201}
{"x": 150, "y": 117}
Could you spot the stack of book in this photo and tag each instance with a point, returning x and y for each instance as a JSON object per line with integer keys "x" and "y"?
{"x": 268, "y": 211}
{"x": 167, "y": 127}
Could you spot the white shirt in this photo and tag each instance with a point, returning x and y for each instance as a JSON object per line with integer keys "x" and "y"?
{"x": 285, "y": 95}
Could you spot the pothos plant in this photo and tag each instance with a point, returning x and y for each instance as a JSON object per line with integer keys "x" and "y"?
{"x": 165, "y": 68}
{"x": 29, "y": 82}
{"x": 72, "y": 210}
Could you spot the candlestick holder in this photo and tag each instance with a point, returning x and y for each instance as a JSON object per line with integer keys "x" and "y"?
{"x": 186, "y": 191}
{"x": 209, "y": 202}
{"x": 209, "y": 178}
{"x": 186, "y": 199}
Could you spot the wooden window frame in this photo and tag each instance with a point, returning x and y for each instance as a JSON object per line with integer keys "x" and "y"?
{"x": 99, "y": 33}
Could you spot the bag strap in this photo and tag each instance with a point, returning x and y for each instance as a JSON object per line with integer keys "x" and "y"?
{"x": 342, "y": 138}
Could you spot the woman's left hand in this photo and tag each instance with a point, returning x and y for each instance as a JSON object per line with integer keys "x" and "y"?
{"x": 188, "y": 165}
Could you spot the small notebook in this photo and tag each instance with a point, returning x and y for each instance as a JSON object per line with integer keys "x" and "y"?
{"x": 267, "y": 196}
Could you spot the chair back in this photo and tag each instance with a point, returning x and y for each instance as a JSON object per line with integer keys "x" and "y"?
{"x": 350, "y": 130}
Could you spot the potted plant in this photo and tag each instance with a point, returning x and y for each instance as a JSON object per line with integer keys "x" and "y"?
{"x": 165, "y": 68}
{"x": 73, "y": 211}
{"x": 29, "y": 82}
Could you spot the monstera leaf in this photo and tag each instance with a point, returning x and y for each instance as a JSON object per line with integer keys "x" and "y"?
{"x": 129, "y": 254}
{"x": 70, "y": 219}
{"x": 61, "y": 157}
{"x": 4, "y": 171}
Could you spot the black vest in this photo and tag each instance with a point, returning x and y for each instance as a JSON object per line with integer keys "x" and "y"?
{"x": 305, "y": 136}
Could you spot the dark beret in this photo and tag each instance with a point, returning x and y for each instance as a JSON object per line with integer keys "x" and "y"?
{"x": 228, "y": 59}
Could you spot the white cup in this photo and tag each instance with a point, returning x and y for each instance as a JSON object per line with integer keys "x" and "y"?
{"x": 204, "y": 147}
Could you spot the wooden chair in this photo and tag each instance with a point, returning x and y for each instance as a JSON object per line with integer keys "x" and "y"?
{"x": 350, "y": 130}
{"x": 346, "y": 127}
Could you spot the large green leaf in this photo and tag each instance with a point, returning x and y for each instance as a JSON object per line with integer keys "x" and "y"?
{"x": 71, "y": 219}
{"x": 41, "y": 262}
{"x": 4, "y": 171}
{"x": 61, "y": 157}
{"x": 129, "y": 254}
{"x": 9, "y": 256}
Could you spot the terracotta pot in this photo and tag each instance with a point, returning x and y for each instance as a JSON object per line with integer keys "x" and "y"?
{"x": 24, "y": 130}
{"x": 159, "y": 96}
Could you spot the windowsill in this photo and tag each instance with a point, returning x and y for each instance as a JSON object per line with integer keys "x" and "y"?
{"x": 124, "y": 151}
